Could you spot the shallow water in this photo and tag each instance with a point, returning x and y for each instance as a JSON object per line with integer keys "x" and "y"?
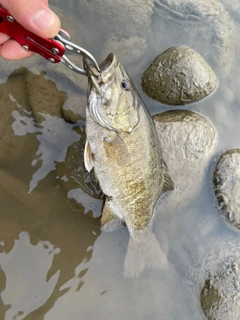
{"x": 55, "y": 263}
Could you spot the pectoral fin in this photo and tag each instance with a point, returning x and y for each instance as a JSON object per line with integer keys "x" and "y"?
{"x": 88, "y": 159}
{"x": 116, "y": 149}
{"x": 109, "y": 221}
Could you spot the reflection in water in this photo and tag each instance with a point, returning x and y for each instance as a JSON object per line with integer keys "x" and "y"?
{"x": 28, "y": 276}
{"x": 42, "y": 239}
{"x": 54, "y": 262}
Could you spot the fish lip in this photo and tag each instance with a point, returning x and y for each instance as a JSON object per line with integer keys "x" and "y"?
{"x": 107, "y": 63}
{"x": 103, "y": 66}
{"x": 107, "y": 68}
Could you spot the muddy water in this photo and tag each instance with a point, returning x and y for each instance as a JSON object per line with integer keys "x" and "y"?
{"x": 54, "y": 261}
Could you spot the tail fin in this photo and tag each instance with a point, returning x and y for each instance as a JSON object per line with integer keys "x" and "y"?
{"x": 143, "y": 251}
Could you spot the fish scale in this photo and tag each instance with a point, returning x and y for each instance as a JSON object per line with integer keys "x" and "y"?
{"x": 123, "y": 149}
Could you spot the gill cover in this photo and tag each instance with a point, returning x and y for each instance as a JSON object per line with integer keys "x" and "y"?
{"x": 110, "y": 104}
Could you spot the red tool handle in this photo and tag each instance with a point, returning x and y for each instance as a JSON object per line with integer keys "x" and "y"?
{"x": 50, "y": 49}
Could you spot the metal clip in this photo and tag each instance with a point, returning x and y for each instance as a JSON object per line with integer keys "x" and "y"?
{"x": 64, "y": 38}
{"x": 51, "y": 49}
{"x": 47, "y": 48}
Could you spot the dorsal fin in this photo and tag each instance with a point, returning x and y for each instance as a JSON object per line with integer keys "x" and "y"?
{"x": 168, "y": 184}
{"x": 88, "y": 159}
{"x": 109, "y": 221}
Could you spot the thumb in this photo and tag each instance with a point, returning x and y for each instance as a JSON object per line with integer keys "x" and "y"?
{"x": 34, "y": 15}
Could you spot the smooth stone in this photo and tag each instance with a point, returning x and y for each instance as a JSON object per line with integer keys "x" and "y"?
{"x": 178, "y": 76}
{"x": 226, "y": 186}
{"x": 188, "y": 140}
{"x": 219, "y": 295}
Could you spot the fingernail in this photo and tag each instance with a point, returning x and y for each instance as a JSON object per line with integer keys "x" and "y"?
{"x": 44, "y": 19}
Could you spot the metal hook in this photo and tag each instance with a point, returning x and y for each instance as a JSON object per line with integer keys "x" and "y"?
{"x": 64, "y": 38}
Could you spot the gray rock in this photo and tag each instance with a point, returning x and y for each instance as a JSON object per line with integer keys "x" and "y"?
{"x": 72, "y": 173}
{"x": 187, "y": 139}
{"x": 13, "y": 98}
{"x": 43, "y": 96}
{"x": 213, "y": 272}
{"x": 74, "y": 108}
{"x": 178, "y": 76}
{"x": 219, "y": 295}
{"x": 226, "y": 185}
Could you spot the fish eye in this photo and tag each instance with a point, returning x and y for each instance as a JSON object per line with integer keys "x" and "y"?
{"x": 125, "y": 85}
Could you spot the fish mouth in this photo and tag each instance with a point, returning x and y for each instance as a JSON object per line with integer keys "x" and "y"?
{"x": 97, "y": 79}
{"x": 107, "y": 63}
{"x": 92, "y": 68}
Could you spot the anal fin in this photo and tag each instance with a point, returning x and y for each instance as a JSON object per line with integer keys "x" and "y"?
{"x": 109, "y": 221}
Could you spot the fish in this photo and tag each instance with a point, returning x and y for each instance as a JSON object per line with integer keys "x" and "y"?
{"x": 123, "y": 149}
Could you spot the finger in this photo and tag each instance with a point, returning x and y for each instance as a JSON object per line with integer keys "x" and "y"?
{"x": 3, "y": 38}
{"x": 11, "y": 50}
{"x": 34, "y": 15}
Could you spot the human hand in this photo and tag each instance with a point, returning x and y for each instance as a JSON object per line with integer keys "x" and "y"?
{"x": 33, "y": 15}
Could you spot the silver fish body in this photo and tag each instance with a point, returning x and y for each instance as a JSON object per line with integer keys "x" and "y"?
{"x": 123, "y": 148}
